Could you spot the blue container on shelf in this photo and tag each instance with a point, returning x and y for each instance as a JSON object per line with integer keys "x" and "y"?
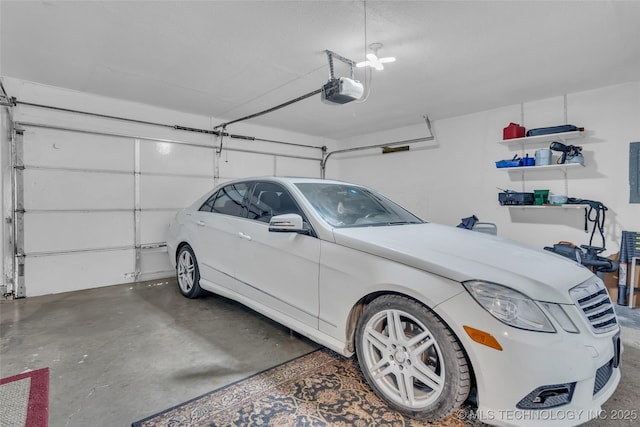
{"x": 508, "y": 163}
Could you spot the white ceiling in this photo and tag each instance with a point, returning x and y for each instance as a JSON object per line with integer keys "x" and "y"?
{"x": 228, "y": 59}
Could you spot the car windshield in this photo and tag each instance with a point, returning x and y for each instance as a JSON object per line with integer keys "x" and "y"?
{"x": 343, "y": 205}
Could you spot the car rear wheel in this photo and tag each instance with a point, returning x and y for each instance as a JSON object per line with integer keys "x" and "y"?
{"x": 187, "y": 272}
{"x": 411, "y": 359}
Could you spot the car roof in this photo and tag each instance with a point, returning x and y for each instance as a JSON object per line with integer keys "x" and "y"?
{"x": 292, "y": 180}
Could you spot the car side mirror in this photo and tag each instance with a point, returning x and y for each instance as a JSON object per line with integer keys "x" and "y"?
{"x": 287, "y": 223}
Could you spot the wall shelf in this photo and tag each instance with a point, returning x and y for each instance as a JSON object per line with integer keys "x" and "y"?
{"x": 564, "y": 167}
{"x": 542, "y": 139}
{"x": 530, "y": 143}
{"x": 565, "y": 206}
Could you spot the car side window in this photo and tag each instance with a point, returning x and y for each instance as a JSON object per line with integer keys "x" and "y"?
{"x": 227, "y": 200}
{"x": 269, "y": 199}
{"x": 208, "y": 205}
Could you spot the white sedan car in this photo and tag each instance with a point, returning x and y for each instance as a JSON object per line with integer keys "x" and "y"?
{"x": 431, "y": 311}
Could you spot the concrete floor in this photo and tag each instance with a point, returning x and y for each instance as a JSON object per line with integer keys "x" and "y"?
{"x": 121, "y": 353}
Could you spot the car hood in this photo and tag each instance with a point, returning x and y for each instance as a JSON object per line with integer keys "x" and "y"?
{"x": 461, "y": 255}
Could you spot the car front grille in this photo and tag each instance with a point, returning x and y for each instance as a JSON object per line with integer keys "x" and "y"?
{"x": 602, "y": 376}
{"x": 594, "y": 303}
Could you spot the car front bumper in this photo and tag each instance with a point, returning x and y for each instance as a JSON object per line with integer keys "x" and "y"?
{"x": 530, "y": 361}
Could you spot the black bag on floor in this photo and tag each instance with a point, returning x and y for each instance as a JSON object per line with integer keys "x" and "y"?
{"x": 585, "y": 255}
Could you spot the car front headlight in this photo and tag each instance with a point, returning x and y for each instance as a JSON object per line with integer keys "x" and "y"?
{"x": 509, "y": 306}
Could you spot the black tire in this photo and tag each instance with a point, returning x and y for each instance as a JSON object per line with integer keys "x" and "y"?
{"x": 411, "y": 359}
{"x": 188, "y": 273}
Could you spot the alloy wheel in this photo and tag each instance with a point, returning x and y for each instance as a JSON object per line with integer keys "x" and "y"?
{"x": 186, "y": 271}
{"x": 403, "y": 359}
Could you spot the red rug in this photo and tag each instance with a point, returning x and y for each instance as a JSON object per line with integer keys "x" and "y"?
{"x": 25, "y": 399}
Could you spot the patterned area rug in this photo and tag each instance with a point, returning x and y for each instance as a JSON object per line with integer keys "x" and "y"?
{"x": 25, "y": 399}
{"x": 321, "y": 388}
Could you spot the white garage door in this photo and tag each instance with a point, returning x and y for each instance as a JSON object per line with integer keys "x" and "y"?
{"x": 93, "y": 208}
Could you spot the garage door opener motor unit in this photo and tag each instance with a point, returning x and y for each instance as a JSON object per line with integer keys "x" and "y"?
{"x": 343, "y": 89}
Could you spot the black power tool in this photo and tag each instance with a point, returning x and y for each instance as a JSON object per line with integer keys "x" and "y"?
{"x": 570, "y": 153}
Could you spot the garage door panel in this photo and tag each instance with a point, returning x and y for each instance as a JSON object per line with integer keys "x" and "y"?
{"x": 171, "y": 192}
{"x": 67, "y": 190}
{"x": 70, "y": 231}
{"x": 241, "y": 165}
{"x": 176, "y": 159}
{"x": 155, "y": 263}
{"x": 90, "y": 221}
{"x": 286, "y": 166}
{"x": 154, "y": 225}
{"x": 60, "y": 149}
{"x": 71, "y": 272}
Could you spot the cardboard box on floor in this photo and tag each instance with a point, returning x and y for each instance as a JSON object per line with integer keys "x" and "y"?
{"x": 611, "y": 282}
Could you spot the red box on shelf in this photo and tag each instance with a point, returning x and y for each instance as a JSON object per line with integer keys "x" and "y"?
{"x": 514, "y": 130}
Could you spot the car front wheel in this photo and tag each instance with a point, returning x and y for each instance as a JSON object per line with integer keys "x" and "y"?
{"x": 411, "y": 359}
{"x": 187, "y": 272}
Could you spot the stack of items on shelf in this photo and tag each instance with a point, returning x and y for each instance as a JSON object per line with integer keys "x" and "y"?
{"x": 544, "y": 156}
{"x": 538, "y": 198}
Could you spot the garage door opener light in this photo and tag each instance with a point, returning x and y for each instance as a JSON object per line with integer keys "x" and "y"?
{"x": 372, "y": 58}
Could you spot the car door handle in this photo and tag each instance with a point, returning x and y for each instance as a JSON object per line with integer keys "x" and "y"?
{"x": 244, "y": 236}
{"x": 200, "y": 223}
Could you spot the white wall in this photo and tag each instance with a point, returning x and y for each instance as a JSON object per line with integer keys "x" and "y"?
{"x": 456, "y": 176}
{"x": 47, "y": 95}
